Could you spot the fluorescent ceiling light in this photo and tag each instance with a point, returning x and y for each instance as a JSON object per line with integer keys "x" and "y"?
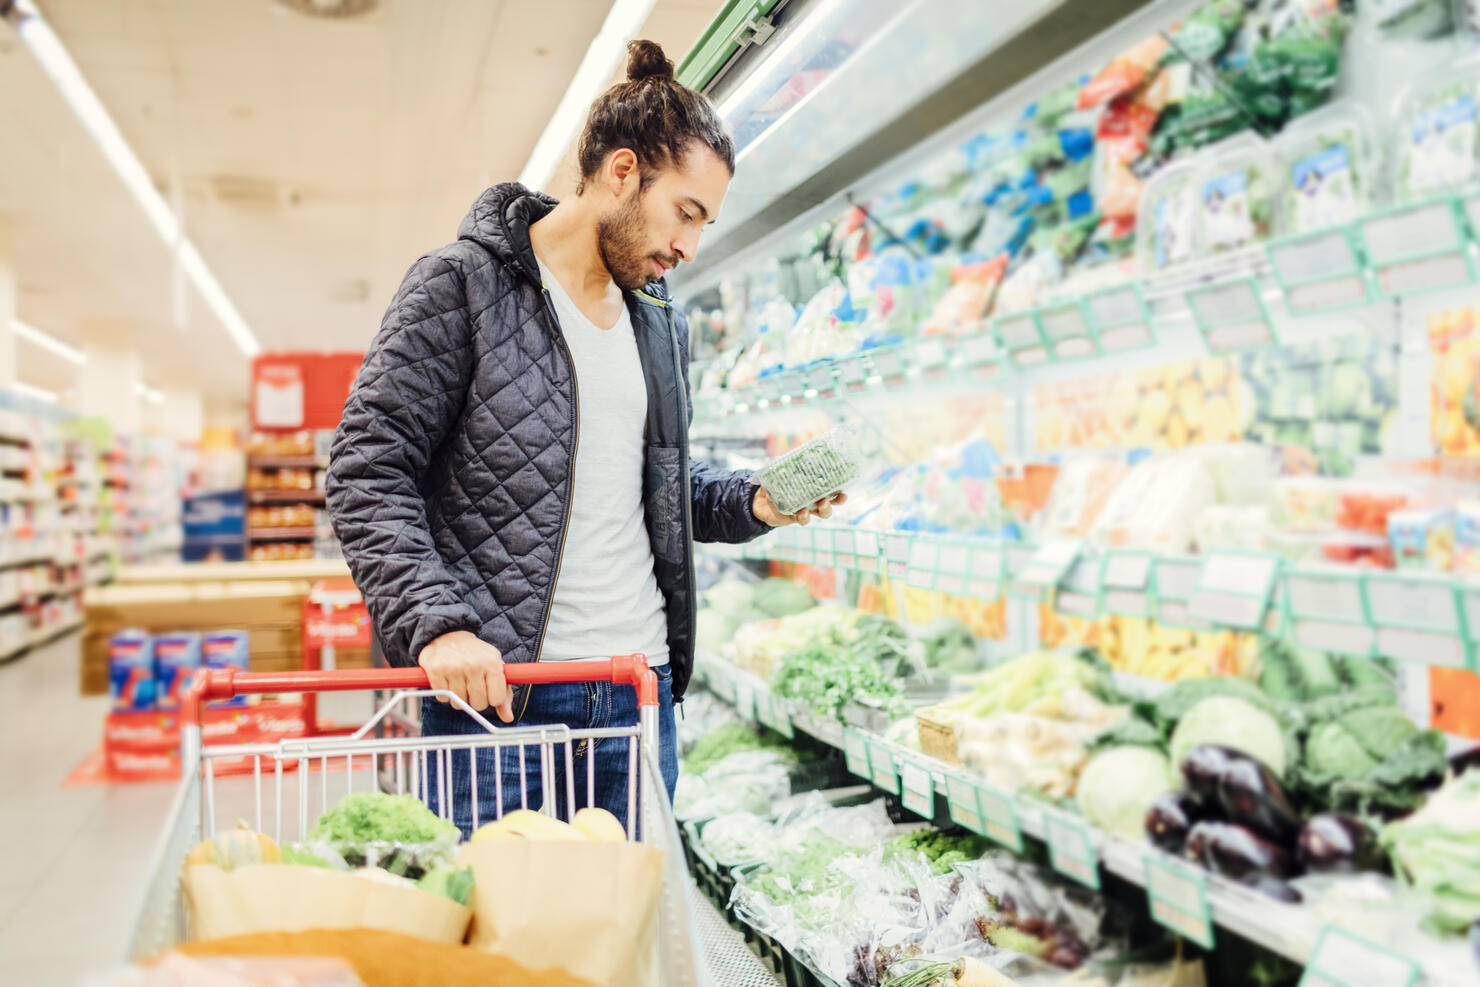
{"x": 48, "y": 342}
{"x": 607, "y": 48}
{"x": 148, "y": 393}
{"x": 38, "y": 393}
{"x": 38, "y": 36}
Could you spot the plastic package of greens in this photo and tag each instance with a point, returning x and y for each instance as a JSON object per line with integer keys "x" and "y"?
{"x": 1411, "y": 19}
{"x": 1166, "y": 219}
{"x": 1236, "y": 188}
{"x": 814, "y": 470}
{"x": 1437, "y": 132}
{"x": 1330, "y": 168}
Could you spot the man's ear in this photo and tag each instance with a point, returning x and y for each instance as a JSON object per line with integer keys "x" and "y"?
{"x": 622, "y": 172}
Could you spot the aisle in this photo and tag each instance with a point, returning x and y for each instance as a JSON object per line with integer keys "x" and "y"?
{"x": 76, "y": 857}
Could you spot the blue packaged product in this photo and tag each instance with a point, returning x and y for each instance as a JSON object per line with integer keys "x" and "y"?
{"x": 176, "y": 656}
{"x": 131, "y": 671}
{"x": 226, "y": 649}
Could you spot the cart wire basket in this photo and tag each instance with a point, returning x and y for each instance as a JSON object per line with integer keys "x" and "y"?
{"x": 281, "y": 788}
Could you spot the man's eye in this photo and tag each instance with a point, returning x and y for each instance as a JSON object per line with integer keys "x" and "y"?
{"x": 684, "y": 216}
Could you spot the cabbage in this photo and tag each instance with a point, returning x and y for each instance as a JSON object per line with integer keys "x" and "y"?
{"x": 782, "y": 598}
{"x": 1231, "y": 723}
{"x": 1118, "y": 786}
{"x": 731, "y": 597}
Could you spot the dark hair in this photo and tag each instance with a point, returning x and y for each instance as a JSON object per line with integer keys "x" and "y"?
{"x": 652, "y": 116}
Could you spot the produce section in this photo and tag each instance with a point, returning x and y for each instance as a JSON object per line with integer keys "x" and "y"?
{"x": 1158, "y": 370}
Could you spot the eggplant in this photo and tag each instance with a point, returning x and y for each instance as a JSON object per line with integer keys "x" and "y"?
{"x": 1251, "y": 796}
{"x": 1169, "y": 819}
{"x": 1237, "y": 852}
{"x": 1335, "y": 844}
{"x": 1277, "y": 889}
{"x": 1203, "y": 767}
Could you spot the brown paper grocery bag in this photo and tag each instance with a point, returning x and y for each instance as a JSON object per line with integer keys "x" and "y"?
{"x": 588, "y": 908}
{"x": 286, "y": 898}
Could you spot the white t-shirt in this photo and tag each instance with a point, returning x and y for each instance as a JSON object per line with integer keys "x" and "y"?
{"x": 607, "y": 600}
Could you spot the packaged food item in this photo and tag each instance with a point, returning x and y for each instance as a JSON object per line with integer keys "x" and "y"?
{"x": 131, "y": 671}
{"x": 965, "y": 303}
{"x": 1208, "y": 31}
{"x": 1411, "y": 19}
{"x": 1467, "y": 536}
{"x": 817, "y": 469}
{"x": 1167, "y": 218}
{"x": 1126, "y": 71}
{"x": 1437, "y": 138}
{"x": 226, "y": 649}
{"x": 1329, "y": 168}
{"x": 1157, "y": 505}
{"x": 1236, "y": 187}
{"x": 1423, "y": 539}
{"x": 1083, "y": 485}
{"x": 176, "y": 656}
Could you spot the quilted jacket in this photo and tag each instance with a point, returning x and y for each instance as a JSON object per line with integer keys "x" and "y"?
{"x": 449, "y": 479}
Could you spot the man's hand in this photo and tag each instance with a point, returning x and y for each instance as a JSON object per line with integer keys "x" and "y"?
{"x": 765, "y": 509}
{"x": 467, "y": 666}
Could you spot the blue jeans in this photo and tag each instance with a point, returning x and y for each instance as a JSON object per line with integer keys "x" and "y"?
{"x": 577, "y": 705}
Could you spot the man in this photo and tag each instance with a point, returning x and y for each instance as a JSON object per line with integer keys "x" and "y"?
{"x": 511, "y": 479}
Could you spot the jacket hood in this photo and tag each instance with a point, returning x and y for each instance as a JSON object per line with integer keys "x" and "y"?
{"x": 500, "y": 220}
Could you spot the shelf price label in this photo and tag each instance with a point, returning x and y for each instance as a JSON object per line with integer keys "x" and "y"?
{"x": 1067, "y": 331}
{"x": 745, "y": 700}
{"x": 881, "y": 767}
{"x": 1070, "y": 849}
{"x": 1418, "y": 617}
{"x": 1049, "y": 563}
{"x": 1234, "y": 588}
{"x": 978, "y": 349}
{"x": 855, "y": 754}
{"x": 917, "y": 788}
{"x": 1319, "y": 271}
{"x": 930, "y": 354}
{"x": 851, "y": 372}
{"x": 1344, "y": 959}
{"x": 999, "y": 817}
{"x": 1019, "y": 337}
{"x": 1178, "y": 895}
{"x": 771, "y": 711}
{"x": 1417, "y": 248}
{"x": 1120, "y": 319}
{"x": 924, "y": 558}
{"x": 1231, "y": 316}
{"x": 820, "y": 378}
{"x": 1125, "y": 582}
{"x": 1327, "y": 610}
{"x": 964, "y": 808}
{"x": 887, "y": 363}
{"x": 984, "y": 572}
{"x": 951, "y": 566}
{"x": 1079, "y": 591}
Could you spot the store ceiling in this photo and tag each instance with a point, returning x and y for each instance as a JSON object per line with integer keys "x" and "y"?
{"x": 318, "y": 158}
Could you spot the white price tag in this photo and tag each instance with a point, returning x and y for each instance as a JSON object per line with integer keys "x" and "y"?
{"x": 1074, "y": 349}
{"x": 1075, "y": 604}
{"x": 866, "y": 543}
{"x": 1062, "y": 323}
{"x": 881, "y": 764}
{"x": 898, "y": 548}
{"x": 855, "y": 753}
{"x": 1017, "y": 331}
{"x": 1424, "y": 230}
{"x": 1083, "y": 576}
{"x": 1050, "y": 562}
{"x": 1030, "y": 357}
{"x": 824, "y": 540}
{"x": 1124, "y": 570}
{"x": 1227, "y": 609}
{"x": 1130, "y": 602}
{"x": 897, "y": 570}
{"x": 1179, "y": 898}
{"x": 1407, "y": 602}
{"x": 999, "y": 817}
{"x": 961, "y": 799}
{"x": 1343, "y": 959}
{"x": 1239, "y": 336}
{"x": 1323, "y": 635}
{"x": 986, "y": 564}
{"x": 923, "y": 554}
{"x": 1248, "y": 575}
{"x": 1421, "y": 647}
{"x": 844, "y": 541}
{"x": 850, "y": 370}
{"x": 1443, "y": 271}
{"x": 1069, "y": 848}
{"x": 978, "y": 348}
{"x": 950, "y": 585}
{"x": 1314, "y": 258}
{"x": 953, "y": 558}
{"x": 1126, "y": 337}
{"x": 887, "y": 363}
{"x": 1116, "y": 307}
{"x": 1176, "y": 579}
{"x": 1348, "y": 289}
{"x": 1313, "y": 594}
{"x": 821, "y": 377}
{"x": 916, "y": 789}
{"x": 930, "y": 353}
{"x": 1226, "y": 304}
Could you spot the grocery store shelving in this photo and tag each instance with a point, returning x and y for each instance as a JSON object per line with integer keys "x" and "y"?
{"x": 39, "y": 637}
{"x": 282, "y": 534}
{"x": 270, "y": 462}
{"x": 285, "y": 497}
{"x": 1294, "y": 931}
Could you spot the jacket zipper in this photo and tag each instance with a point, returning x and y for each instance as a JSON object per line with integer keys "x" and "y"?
{"x": 570, "y": 361}
{"x": 685, "y": 494}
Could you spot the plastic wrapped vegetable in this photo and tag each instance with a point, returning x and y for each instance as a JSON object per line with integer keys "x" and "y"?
{"x": 1328, "y": 162}
{"x": 1167, "y": 218}
{"x": 1236, "y": 194}
{"x": 1438, "y": 139}
{"x": 820, "y": 468}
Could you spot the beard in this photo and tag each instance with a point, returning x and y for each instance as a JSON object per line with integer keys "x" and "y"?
{"x": 621, "y": 236}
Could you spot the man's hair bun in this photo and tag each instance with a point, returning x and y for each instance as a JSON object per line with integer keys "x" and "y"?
{"x": 646, "y": 60}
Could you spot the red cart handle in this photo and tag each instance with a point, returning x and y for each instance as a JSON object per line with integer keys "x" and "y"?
{"x": 210, "y": 685}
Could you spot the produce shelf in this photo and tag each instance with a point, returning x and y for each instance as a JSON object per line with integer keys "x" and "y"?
{"x": 40, "y": 637}
{"x": 1293, "y": 931}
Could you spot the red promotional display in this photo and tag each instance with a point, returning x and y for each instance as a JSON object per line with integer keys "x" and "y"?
{"x": 145, "y": 745}
{"x": 334, "y": 616}
{"x": 294, "y": 391}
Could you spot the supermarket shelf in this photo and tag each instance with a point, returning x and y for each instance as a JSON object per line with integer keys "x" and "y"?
{"x": 30, "y": 560}
{"x": 1290, "y": 930}
{"x": 282, "y": 534}
{"x": 286, "y": 462}
{"x": 285, "y": 497}
{"x": 40, "y": 637}
{"x": 1421, "y": 617}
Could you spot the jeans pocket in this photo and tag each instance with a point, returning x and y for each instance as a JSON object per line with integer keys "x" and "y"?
{"x": 663, "y": 502}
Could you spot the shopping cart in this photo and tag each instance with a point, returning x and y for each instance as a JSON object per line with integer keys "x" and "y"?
{"x": 277, "y": 787}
